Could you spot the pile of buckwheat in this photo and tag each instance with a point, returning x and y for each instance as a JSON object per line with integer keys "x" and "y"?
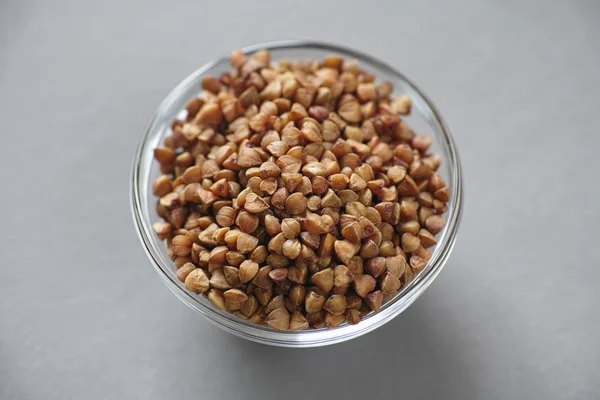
{"x": 294, "y": 195}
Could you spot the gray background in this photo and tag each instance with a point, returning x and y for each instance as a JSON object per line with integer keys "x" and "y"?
{"x": 514, "y": 314}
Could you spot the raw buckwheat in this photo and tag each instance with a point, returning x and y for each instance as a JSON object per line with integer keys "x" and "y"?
{"x": 294, "y": 195}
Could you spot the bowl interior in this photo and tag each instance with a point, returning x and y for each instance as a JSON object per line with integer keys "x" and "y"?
{"x": 424, "y": 120}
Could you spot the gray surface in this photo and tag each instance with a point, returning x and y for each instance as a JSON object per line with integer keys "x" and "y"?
{"x": 514, "y": 314}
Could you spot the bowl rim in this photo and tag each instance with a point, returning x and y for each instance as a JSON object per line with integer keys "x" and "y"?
{"x": 316, "y": 337}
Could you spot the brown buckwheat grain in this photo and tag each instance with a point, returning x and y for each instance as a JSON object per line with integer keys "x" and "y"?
{"x": 294, "y": 195}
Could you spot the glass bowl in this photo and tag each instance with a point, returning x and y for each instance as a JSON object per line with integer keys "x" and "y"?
{"x": 424, "y": 119}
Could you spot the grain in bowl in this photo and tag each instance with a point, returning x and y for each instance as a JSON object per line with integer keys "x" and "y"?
{"x": 294, "y": 194}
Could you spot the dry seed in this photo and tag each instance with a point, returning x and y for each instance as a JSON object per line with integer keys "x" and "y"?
{"x": 372, "y": 215}
{"x": 263, "y": 295}
{"x": 162, "y": 186}
{"x": 312, "y": 241}
{"x": 180, "y": 261}
{"x": 217, "y": 255}
{"x": 276, "y": 243}
{"x": 347, "y": 196}
{"x": 210, "y": 114}
{"x": 255, "y": 204}
{"x": 211, "y": 83}
{"x": 291, "y": 180}
{"x": 304, "y": 97}
{"x": 162, "y": 229}
{"x": 332, "y": 320}
{"x": 259, "y": 254}
{"x": 374, "y": 300}
{"x": 349, "y": 109}
{"x": 240, "y": 314}
{"x": 402, "y": 104}
{"x": 357, "y": 183}
{"x": 231, "y": 237}
{"x": 425, "y": 199}
{"x": 247, "y": 222}
{"x": 323, "y": 279}
{"x": 386, "y": 249}
{"x": 331, "y": 199}
{"x": 319, "y": 113}
{"x": 272, "y": 225}
{"x": 408, "y": 275}
{"x": 275, "y": 303}
{"x": 363, "y": 284}
{"x": 296, "y": 204}
{"x": 193, "y": 106}
{"x": 342, "y": 276}
{"x": 366, "y": 92}
{"x": 356, "y": 209}
{"x": 376, "y": 266}
{"x": 408, "y": 210}
{"x": 164, "y": 155}
{"x": 336, "y": 304}
{"x": 435, "y": 183}
{"x": 297, "y": 294}
{"x": 234, "y": 258}
{"x": 246, "y": 243}
{"x": 435, "y": 224}
{"x": 419, "y": 170}
{"x": 298, "y": 322}
{"x": 354, "y": 301}
{"x": 410, "y": 242}
{"x": 426, "y": 238}
{"x": 390, "y": 284}
{"x": 298, "y": 274}
{"x": 345, "y": 220}
{"x": 290, "y": 228}
{"x": 338, "y": 181}
{"x": 278, "y": 148}
{"x": 314, "y": 169}
{"x": 232, "y": 276}
{"x": 215, "y": 296}
{"x": 439, "y": 206}
{"x": 442, "y": 194}
{"x": 250, "y": 306}
{"x": 409, "y": 226}
{"x": 316, "y": 320}
{"x": 197, "y": 281}
{"x": 183, "y": 272}
{"x": 423, "y": 253}
{"x": 353, "y": 316}
{"x": 258, "y": 317}
{"x": 293, "y": 166}
{"x": 314, "y": 203}
{"x": 234, "y": 299}
{"x": 279, "y": 319}
{"x": 313, "y": 302}
{"x": 345, "y": 250}
{"x": 291, "y": 248}
{"x": 225, "y": 216}
{"x": 217, "y": 280}
{"x": 169, "y": 200}
{"x": 181, "y": 245}
{"x": 203, "y": 258}
{"x": 206, "y": 197}
{"x": 418, "y": 263}
{"x": 311, "y": 131}
{"x": 219, "y": 235}
{"x": 352, "y": 232}
{"x": 262, "y": 278}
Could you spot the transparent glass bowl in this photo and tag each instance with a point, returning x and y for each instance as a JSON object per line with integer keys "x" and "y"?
{"x": 424, "y": 119}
